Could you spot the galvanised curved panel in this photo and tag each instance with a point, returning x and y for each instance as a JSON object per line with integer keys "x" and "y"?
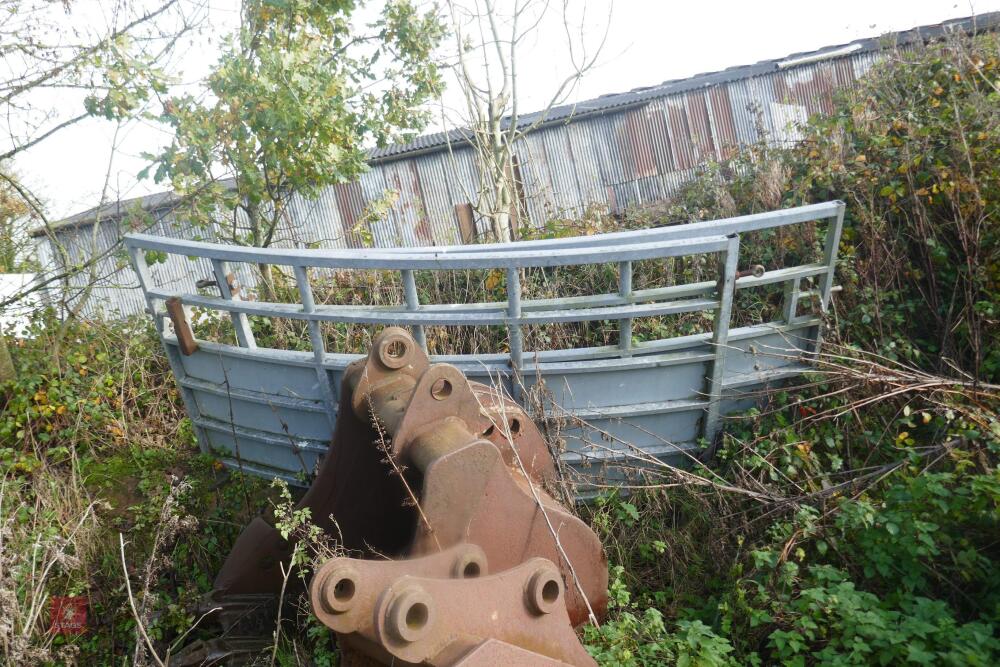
{"x": 608, "y": 409}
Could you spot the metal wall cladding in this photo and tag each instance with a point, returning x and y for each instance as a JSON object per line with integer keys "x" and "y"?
{"x": 624, "y": 157}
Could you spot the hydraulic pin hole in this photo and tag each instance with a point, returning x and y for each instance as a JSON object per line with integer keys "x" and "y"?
{"x": 469, "y": 565}
{"x": 393, "y": 353}
{"x": 550, "y": 591}
{"x": 441, "y": 389}
{"x": 339, "y": 589}
{"x": 544, "y": 591}
{"x": 343, "y": 590}
{"x": 410, "y": 614}
{"x": 515, "y": 426}
{"x": 489, "y": 431}
{"x": 416, "y": 616}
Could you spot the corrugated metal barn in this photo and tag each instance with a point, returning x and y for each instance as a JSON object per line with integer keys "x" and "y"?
{"x": 617, "y": 150}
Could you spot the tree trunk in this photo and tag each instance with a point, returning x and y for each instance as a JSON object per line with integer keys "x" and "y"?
{"x": 501, "y": 205}
{"x": 7, "y": 373}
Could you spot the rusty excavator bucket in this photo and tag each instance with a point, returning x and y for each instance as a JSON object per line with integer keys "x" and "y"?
{"x": 440, "y": 490}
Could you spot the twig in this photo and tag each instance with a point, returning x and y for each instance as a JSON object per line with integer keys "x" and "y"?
{"x": 135, "y": 612}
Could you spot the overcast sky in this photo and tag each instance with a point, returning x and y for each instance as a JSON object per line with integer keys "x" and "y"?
{"x": 648, "y": 42}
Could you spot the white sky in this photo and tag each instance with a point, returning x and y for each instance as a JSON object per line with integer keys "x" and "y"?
{"x": 649, "y": 41}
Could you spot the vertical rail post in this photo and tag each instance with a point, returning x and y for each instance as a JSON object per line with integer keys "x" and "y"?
{"x": 625, "y": 291}
{"x": 791, "y": 305}
{"x": 830, "y": 247}
{"x": 241, "y": 324}
{"x": 720, "y": 338}
{"x": 413, "y": 304}
{"x": 318, "y": 346}
{"x": 138, "y": 258}
{"x": 145, "y": 281}
{"x": 514, "y": 328}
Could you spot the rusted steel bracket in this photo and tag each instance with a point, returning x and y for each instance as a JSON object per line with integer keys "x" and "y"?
{"x": 450, "y": 480}
{"x": 439, "y": 609}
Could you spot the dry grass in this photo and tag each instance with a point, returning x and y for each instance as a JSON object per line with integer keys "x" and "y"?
{"x": 48, "y": 534}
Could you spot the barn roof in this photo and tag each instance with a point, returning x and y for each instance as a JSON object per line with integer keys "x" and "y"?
{"x": 610, "y": 103}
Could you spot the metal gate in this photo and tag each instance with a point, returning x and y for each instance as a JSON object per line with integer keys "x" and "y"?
{"x": 272, "y": 411}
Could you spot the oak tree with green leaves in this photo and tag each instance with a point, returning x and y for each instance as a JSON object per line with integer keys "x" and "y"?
{"x": 297, "y": 97}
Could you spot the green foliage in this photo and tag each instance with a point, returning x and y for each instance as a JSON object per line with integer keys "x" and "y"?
{"x": 914, "y": 151}
{"x": 831, "y": 622}
{"x": 853, "y": 521}
{"x": 640, "y": 638}
{"x": 68, "y": 401}
{"x": 293, "y": 102}
{"x": 15, "y": 217}
{"x": 93, "y": 442}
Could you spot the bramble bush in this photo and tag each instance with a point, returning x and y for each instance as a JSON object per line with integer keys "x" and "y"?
{"x": 853, "y": 521}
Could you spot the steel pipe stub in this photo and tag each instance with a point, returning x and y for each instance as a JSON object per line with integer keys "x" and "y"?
{"x": 339, "y": 588}
{"x": 470, "y": 564}
{"x": 395, "y": 350}
{"x": 544, "y": 590}
{"x": 410, "y": 614}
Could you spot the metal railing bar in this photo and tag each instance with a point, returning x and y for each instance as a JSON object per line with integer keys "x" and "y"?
{"x": 637, "y": 409}
{"x": 475, "y": 362}
{"x": 274, "y": 440}
{"x": 514, "y": 318}
{"x": 625, "y": 293}
{"x": 724, "y": 227}
{"x": 599, "y": 457}
{"x": 406, "y": 318}
{"x": 318, "y": 344}
{"x": 145, "y": 279}
{"x": 720, "y": 338}
{"x": 621, "y": 362}
{"x": 830, "y": 247}
{"x": 275, "y": 400}
{"x": 764, "y": 376}
{"x": 620, "y": 312}
{"x": 244, "y": 334}
{"x": 790, "y": 307}
{"x": 368, "y": 259}
{"x": 413, "y": 304}
{"x": 590, "y": 301}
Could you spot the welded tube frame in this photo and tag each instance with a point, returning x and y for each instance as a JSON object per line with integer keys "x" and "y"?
{"x": 623, "y": 248}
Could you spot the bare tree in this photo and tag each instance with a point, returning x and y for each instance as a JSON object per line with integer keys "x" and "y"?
{"x": 64, "y": 62}
{"x": 489, "y": 59}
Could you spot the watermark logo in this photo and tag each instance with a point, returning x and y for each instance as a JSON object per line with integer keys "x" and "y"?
{"x": 69, "y": 615}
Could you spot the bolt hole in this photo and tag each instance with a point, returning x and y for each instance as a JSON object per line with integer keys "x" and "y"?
{"x": 395, "y": 349}
{"x": 416, "y": 616}
{"x": 471, "y": 570}
{"x": 550, "y": 591}
{"x": 441, "y": 389}
{"x": 489, "y": 430}
{"x": 515, "y": 426}
{"x": 343, "y": 590}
